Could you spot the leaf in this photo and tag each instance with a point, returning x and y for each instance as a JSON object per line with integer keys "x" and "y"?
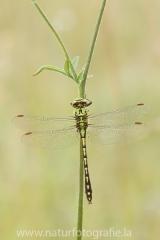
{"x": 75, "y": 62}
{"x": 66, "y": 68}
{"x": 80, "y": 75}
{"x": 69, "y": 66}
{"x": 49, "y": 67}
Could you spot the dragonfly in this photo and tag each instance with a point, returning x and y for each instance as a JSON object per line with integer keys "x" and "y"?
{"x": 104, "y": 128}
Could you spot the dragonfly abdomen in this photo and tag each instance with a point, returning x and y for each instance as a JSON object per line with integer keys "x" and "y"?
{"x": 88, "y": 188}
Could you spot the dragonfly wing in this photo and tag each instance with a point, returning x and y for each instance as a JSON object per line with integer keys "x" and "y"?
{"x": 51, "y": 139}
{"x": 34, "y": 123}
{"x": 125, "y": 115}
{"x": 115, "y": 133}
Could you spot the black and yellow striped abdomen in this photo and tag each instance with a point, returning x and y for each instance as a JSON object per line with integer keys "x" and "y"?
{"x": 88, "y": 188}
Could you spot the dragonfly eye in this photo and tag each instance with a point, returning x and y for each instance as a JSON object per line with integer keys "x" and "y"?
{"x": 80, "y": 102}
{"x": 88, "y": 102}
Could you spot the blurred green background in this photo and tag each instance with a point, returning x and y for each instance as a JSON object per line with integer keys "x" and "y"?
{"x": 39, "y": 188}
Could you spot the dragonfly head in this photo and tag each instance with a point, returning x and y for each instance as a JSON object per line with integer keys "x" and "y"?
{"x": 81, "y": 102}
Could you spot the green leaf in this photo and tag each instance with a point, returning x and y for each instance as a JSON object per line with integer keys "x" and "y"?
{"x": 66, "y": 68}
{"x": 71, "y": 72}
{"x": 75, "y": 62}
{"x": 80, "y": 75}
{"x": 49, "y": 67}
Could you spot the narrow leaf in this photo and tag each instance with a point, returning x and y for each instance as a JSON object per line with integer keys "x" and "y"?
{"x": 80, "y": 75}
{"x": 81, "y": 78}
{"x": 75, "y": 62}
{"x": 66, "y": 68}
{"x": 49, "y": 67}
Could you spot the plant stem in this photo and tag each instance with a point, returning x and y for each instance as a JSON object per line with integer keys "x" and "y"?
{"x": 56, "y": 35}
{"x": 82, "y": 95}
{"x": 80, "y": 204}
{"x": 81, "y": 87}
{"x": 91, "y": 49}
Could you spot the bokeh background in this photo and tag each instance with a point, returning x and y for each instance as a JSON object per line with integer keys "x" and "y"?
{"x": 39, "y": 188}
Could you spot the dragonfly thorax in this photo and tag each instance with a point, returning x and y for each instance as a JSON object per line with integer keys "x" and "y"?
{"x": 80, "y": 112}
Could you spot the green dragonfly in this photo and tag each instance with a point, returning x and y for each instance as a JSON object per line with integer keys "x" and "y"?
{"x": 105, "y": 128}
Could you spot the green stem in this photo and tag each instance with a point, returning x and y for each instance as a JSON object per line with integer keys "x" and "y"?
{"x": 80, "y": 204}
{"x": 91, "y": 49}
{"x": 56, "y": 35}
{"x": 81, "y": 87}
{"x": 82, "y": 95}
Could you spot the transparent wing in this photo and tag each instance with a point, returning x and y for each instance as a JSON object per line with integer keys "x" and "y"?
{"x": 51, "y": 139}
{"x": 115, "y": 133}
{"x": 33, "y": 123}
{"x": 125, "y": 115}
